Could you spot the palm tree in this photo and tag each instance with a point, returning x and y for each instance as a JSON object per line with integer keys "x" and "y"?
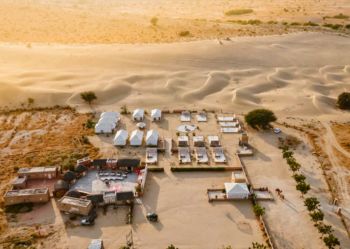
{"x": 324, "y": 229}
{"x": 317, "y": 216}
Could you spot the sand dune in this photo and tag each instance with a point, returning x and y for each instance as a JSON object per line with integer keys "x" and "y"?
{"x": 238, "y": 75}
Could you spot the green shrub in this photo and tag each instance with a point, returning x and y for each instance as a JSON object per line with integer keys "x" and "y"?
{"x": 236, "y": 12}
{"x": 90, "y": 124}
{"x": 344, "y": 101}
{"x": 295, "y": 24}
{"x": 332, "y": 26}
{"x": 287, "y": 154}
{"x": 256, "y": 245}
{"x": 260, "y": 118}
{"x": 312, "y": 24}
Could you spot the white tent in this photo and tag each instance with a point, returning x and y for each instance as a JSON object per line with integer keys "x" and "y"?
{"x": 103, "y": 127}
{"x": 138, "y": 114}
{"x": 156, "y": 114}
{"x": 136, "y": 138}
{"x": 120, "y": 138}
{"x": 236, "y": 190}
{"x": 110, "y": 114}
{"x": 109, "y": 120}
{"x": 152, "y": 138}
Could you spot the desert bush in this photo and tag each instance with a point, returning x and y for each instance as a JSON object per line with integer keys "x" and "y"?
{"x": 295, "y": 24}
{"x": 341, "y": 16}
{"x": 154, "y": 21}
{"x": 184, "y": 33}
{"x": 287, "y": 154}
{"x": 236, "y": 12}
{"x": 272, "y": 22}
{"x": 312, "y": 24}
{"x": 172, "y": 247}
{"x": 260, "y": 118}
{"x": 332, "y": 26}
{"x": 90, "y": 124}
{"x": 347, "y": 26}
{"x": 344, "y": 101}
{"x": 124, "y": 110}
{"x": 256, "y": 245}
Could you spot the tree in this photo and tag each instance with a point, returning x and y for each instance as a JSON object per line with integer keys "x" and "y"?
{"x": 293, "y": 164}
{"x": 287, "y": 154}
{"x": 344, "y": 100}
{"x": 317, "y": 216}
{"x": 124, "y": 110}
{"x": 172, "y": 247}
{"x": 226, "y": 247}
{"x": 299, "y": 177}
{"x": 88, "y": 97}
{"x": 260, "y": 118}
{"x": 256, "y": 245}
{"x": 324, "y": 229}
{"x": 311, "y": 203}
{"x": 331, "y": 241}
{"x": 303, "y": 187}
{"x": 258, "y": 210}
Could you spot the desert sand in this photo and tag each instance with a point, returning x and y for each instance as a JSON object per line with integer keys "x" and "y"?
{"x": 119, "y": 21}
{"x": 298, "y": 74}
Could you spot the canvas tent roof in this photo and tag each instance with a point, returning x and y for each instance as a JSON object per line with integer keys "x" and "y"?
{"x": 152, "y": 137}
{"x": 121, "y": 137}
{"x": 136, "y": 138}
{"x": 110, "y": 114}
{"x": 156, "y": 113}
{"x": 126, "y": 162}
{"x": 236, "y": 190}
{"x": 104, "y": 127}
{"x": 138, "y": 113}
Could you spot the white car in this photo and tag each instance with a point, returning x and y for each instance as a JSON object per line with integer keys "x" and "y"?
{"x": 277, "y": 130}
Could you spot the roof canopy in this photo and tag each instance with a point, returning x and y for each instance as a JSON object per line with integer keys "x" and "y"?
{"x": 236, "y": 190}
{"x": 156, "y": 113}
{"x": 152, "y": 137}
{"x": 136, "y": 137}
{"x": 138, "y": 113}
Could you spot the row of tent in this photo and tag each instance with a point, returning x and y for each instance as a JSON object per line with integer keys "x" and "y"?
{"x": 107, "y": 122}
{"x": 136, "y": 138}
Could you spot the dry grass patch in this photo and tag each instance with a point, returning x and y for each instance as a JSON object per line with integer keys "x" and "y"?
{"x": 237, "y": 12}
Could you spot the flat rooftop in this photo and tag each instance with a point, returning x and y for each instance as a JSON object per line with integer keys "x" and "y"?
{"x": 37, "y": 170}
{"x": 22, "y": 192}
{"x": 75, "y": 201}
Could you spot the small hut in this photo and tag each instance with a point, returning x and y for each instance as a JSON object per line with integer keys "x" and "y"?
{"x": 60, "y": 188}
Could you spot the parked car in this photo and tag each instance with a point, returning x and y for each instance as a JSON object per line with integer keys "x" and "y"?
{"x": 153, "y": 217}
{"x": 277, "y": 130}
{"x": 96, "y": 244}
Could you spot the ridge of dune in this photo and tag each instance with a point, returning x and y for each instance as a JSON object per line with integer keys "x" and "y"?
{"x": 235, "y": 75}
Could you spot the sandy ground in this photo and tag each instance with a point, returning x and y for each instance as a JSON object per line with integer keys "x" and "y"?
{"x": 187, "y": 219}
{"x": 110, "y": 21}
{"x": 236, "y": 75}
{"x": 268, "y": 168}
